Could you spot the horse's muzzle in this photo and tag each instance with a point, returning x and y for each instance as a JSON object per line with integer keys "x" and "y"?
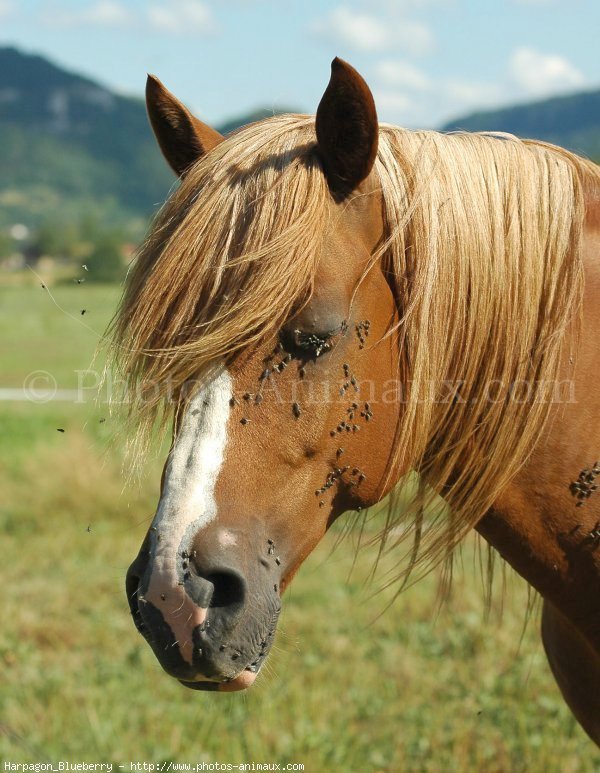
{"x": 210, "y": 626}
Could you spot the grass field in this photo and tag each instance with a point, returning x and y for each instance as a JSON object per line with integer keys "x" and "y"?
{"x": 414, "y": 689}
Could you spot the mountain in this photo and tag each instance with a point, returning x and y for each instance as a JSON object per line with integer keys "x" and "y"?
{"x": 68, "y": 142}
{"x": 256, "y": 115}
{"x": 70, "y": 147}
{"x": 572, "y": 121}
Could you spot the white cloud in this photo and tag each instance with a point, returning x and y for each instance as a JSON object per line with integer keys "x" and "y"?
{"x": 472, "y": 94}
{"x": 369, "y": 33}
{"x": 402, "y": 74}
{"x": 168, "y": 16}
{"x": 181, "y": 16}
{"x": 407, "y": 95}
{"x": 401, "y": 6}
{"x": 435, "y": 106}
{"x": 394, "y": 107}
{"x": 357, "y": 30}
{"x": 7, "y": 9}
{"x": 410, "y": 96}
{"x": 105, "y": 13}
{"x": 541, "y": 74}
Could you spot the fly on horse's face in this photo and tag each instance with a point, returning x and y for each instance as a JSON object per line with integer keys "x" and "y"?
{"x": 286, "y": 437}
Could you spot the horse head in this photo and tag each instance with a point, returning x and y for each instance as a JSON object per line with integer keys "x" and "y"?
{"x": 327, "y": 303}
{"x": 287, "y": 418}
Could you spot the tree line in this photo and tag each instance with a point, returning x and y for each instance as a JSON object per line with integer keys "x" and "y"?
{"x": 102, "y": 248}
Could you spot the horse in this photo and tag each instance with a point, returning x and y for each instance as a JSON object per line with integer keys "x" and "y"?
{"x": 326, "y": 306}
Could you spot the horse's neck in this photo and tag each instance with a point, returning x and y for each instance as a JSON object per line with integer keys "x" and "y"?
{"x": 537, "y": 523}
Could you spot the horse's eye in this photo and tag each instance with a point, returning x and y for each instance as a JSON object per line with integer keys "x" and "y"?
{"x": 302, "y": 344}
{"x": 315, "y": 343}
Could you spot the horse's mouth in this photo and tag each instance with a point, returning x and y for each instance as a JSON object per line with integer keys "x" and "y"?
{"x": 225, "y": 651}
{"x": 214, "y": 646}
{"x": 241, "y": 682}
{"x": 210, "y": 674}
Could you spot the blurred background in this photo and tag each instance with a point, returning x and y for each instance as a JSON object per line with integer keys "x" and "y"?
{"x": 357, "y": 683}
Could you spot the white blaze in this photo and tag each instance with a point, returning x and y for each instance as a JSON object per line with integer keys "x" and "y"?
{"x": 187, "y": 504}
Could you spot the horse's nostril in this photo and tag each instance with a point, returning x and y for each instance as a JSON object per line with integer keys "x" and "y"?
{"x": 199, "y": 589}
{"x": 229, "y": 589}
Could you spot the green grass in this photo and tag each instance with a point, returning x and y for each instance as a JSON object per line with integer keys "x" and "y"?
{"x": 415, "y": 688}
{"x": 37, "y": 335}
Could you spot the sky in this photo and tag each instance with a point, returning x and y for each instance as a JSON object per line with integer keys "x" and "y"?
{"x": 426, "y": 61}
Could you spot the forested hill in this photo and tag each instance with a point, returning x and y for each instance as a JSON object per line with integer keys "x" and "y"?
{"x": 70, "y": 145}
{"x": 572, "y": 121}
{"x": 67, "y": 141}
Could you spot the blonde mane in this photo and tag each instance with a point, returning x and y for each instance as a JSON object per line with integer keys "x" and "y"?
{"x": 482, "y": 244}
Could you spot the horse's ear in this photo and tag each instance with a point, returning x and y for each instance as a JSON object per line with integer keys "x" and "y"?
{"x": 183, "y": 139}
{"x": 347, "y": 129}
